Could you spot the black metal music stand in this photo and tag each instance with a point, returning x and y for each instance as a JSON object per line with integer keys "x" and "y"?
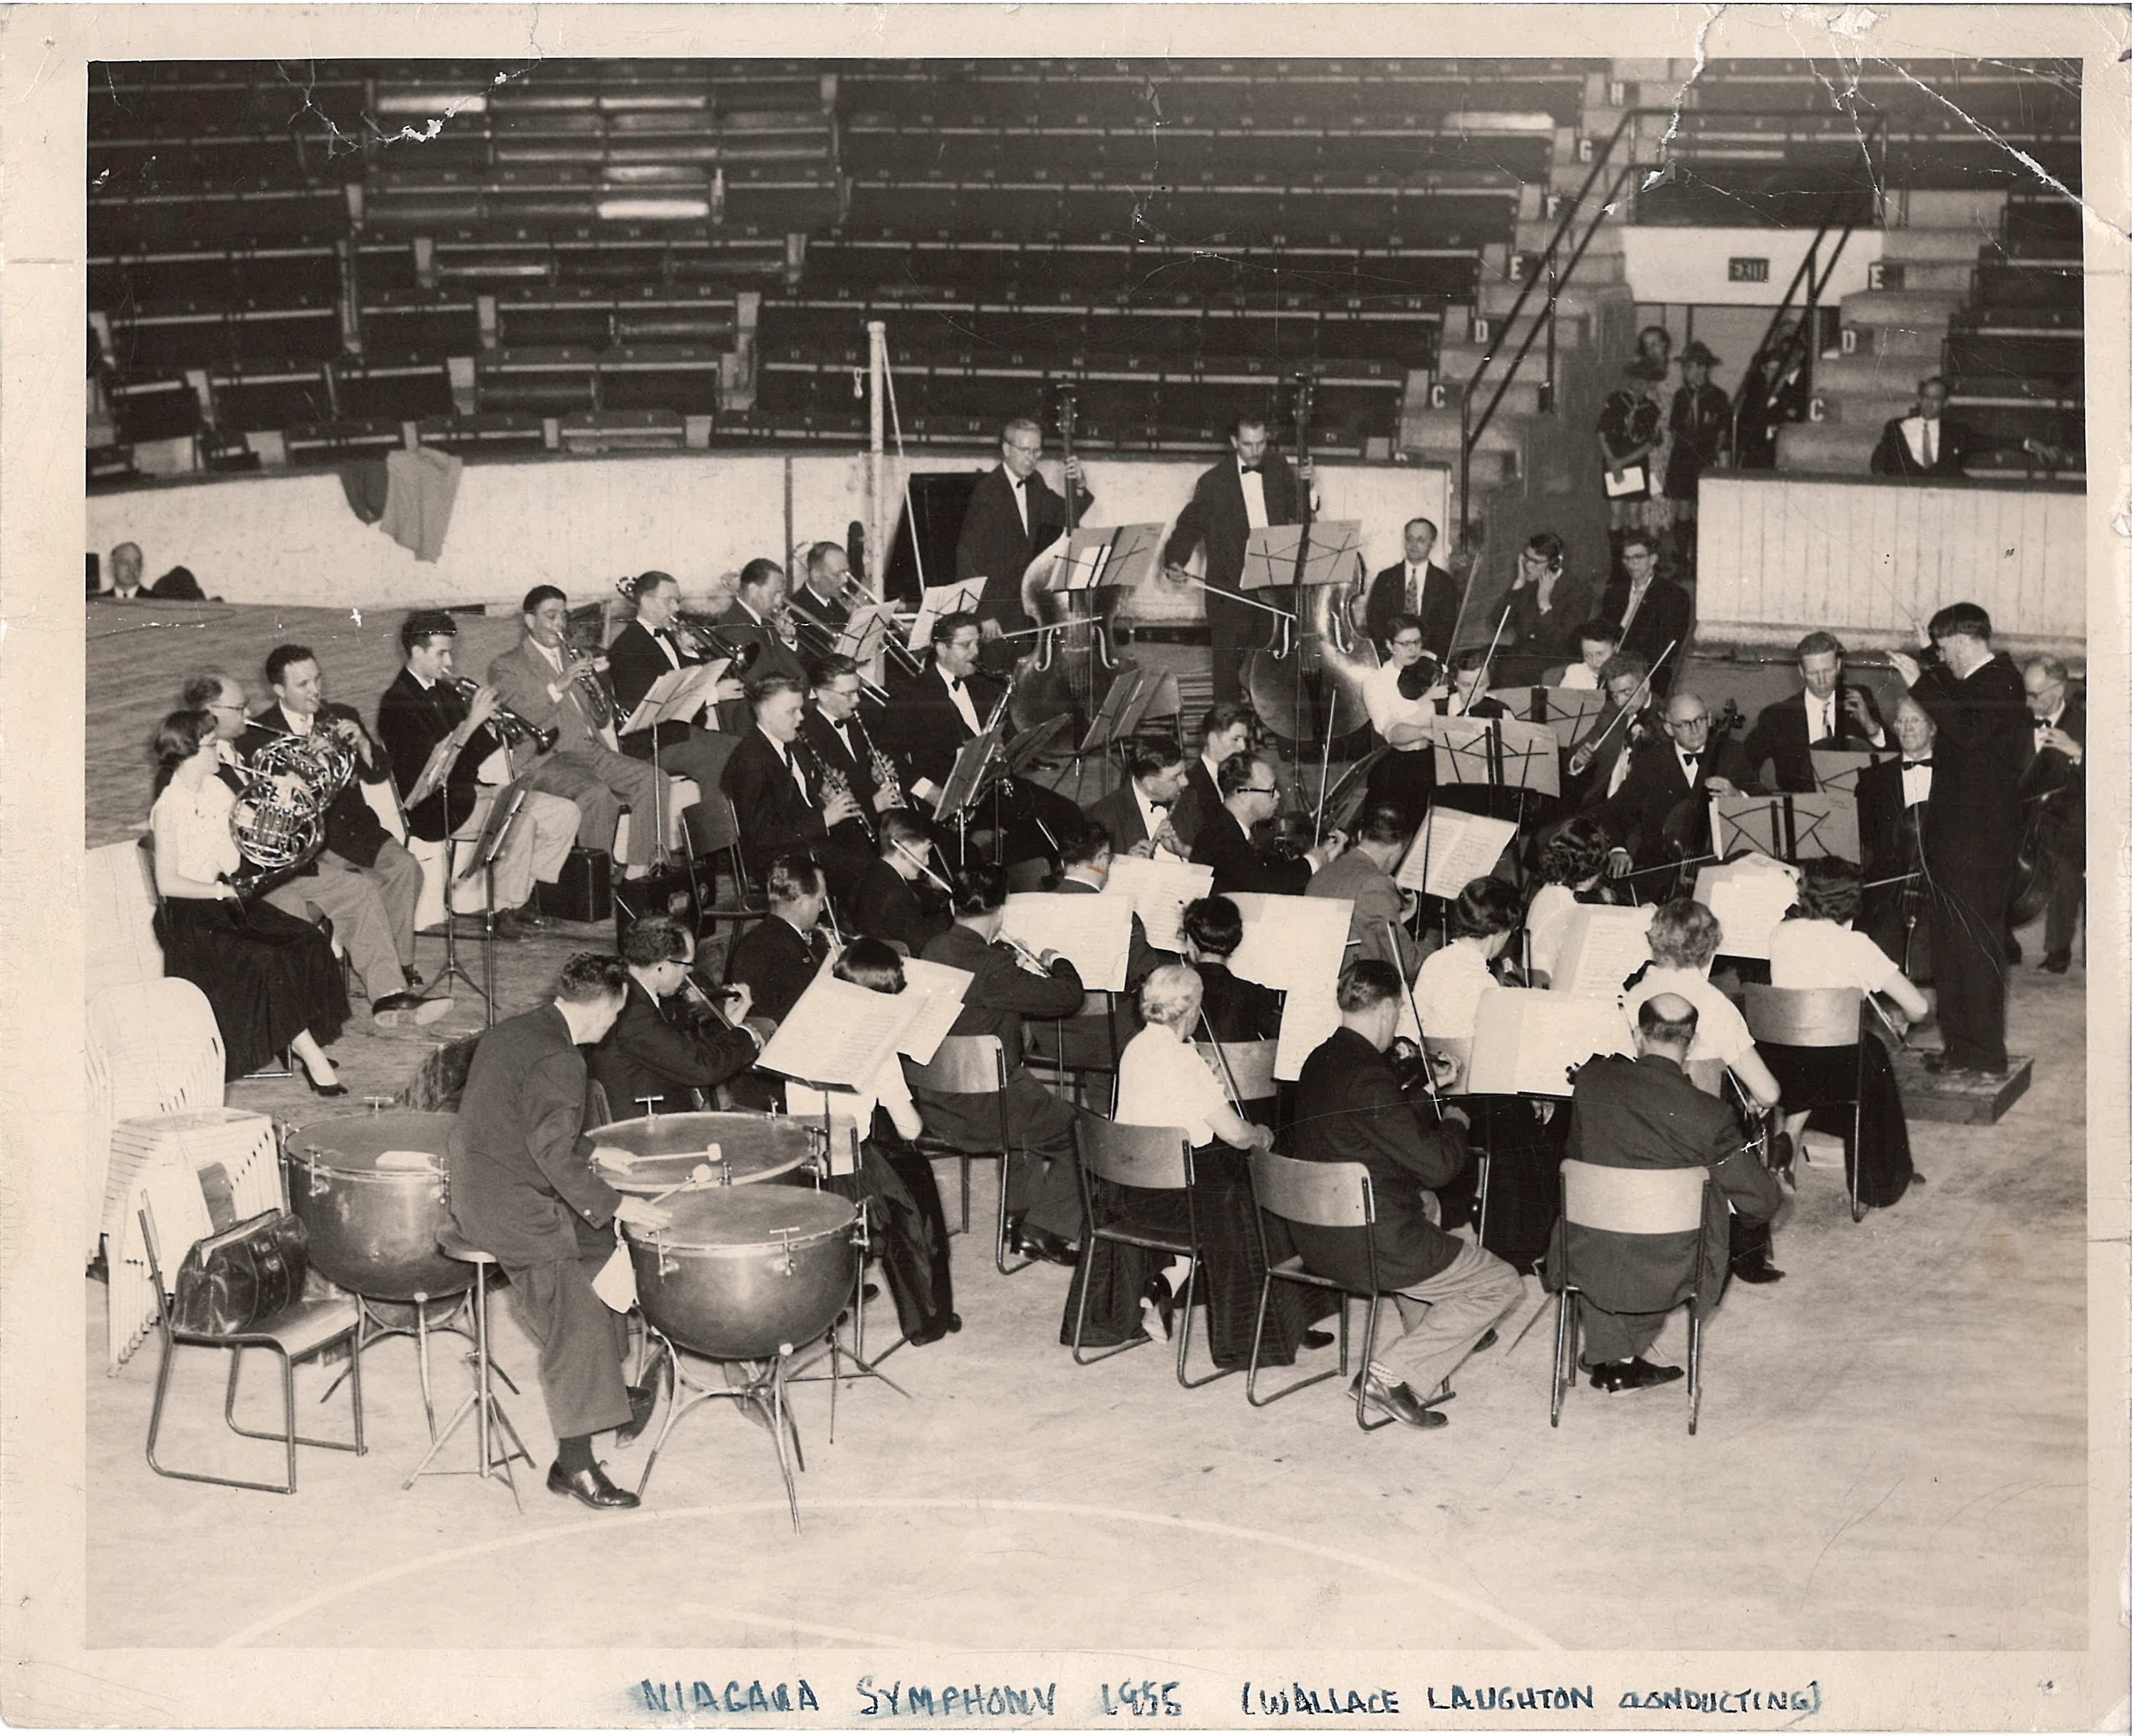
{"x": 453, "y": 967}
{"x": 503, "y": 815}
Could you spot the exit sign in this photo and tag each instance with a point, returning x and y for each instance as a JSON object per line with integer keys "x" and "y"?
{"x": 1748, "y": 271}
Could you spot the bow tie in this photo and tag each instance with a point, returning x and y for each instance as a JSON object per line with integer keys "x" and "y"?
{"x": 1017, "y": 482}
{"x": 955, "y": 683}
{"x": 1248, "y": 470}
{"x": 1910, "y": 763}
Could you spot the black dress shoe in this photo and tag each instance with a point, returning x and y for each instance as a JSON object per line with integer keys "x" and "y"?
{"x": 1632, "y": 1376}
{"x": 942, "y": 1327}
{"x": 1755, "y": 1272}
{"x": 1312, "y": 1338}
{"x": 2056, "y": 963}
{"x": 642, "y": 1399}
{"x": 1158, "y": 1308}
{"x": 530, "y": 915}
{"x": 334, "y": 1090}
{"x": 404, "y": 1008}
{"x": 1398, "y": 1402}
{"x": 1487, "y": 1341}
{"x": 1043, "y": 1245}
{"x": 870, "y": 1292}
{"x": 590, "y": 1486}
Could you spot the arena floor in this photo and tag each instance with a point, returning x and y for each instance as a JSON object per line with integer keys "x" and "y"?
{"x": 1892, "y": 1453}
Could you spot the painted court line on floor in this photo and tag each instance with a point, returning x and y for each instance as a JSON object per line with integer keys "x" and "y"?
{"x": 765, "y": 1619}
{"x": 1533, "y": 1636}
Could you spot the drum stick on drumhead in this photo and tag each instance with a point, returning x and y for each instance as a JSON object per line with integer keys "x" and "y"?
{"x": 700, "y": 1177}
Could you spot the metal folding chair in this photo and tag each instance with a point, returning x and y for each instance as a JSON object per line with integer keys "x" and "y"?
{"x": 1800, "y": 1033}
{"x": 971, "y": 1067}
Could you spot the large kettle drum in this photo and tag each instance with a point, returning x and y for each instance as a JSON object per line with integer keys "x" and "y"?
{"x": 370, "y": 1189}
{"x": 664, "y": 1149}
{"x": 739, "y": 1272}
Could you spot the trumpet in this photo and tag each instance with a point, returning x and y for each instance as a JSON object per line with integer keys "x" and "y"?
{"x": 599, "y": 707}
{"x": 510, "y": 726}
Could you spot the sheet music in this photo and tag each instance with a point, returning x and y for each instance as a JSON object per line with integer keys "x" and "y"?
{"x": 1290, "y": 941}
{"x": 1571, "y": 712}
{"x": 1602, "y": 945}
{"x": 678, "y": 695}
{"x": 1160, "y": 887}
{"x": 1526, "y": 1040}
{"x": 1750, "y": 898}
{"x": 1094, "y": 933}
{"x": 1309, "y": 1016}
{"x": 865, "y": 632}
{"x": 941, "y": 989}
{"x": 1457, "y": 848}
{"x": 939, "y": 599}
{"x": 838, "y": 1033}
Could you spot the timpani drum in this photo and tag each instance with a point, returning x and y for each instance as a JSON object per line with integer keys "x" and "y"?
{"x": 664, "y": 1149}
{"x": 370, "y": 1189}
{"x": 739, "y": 1273}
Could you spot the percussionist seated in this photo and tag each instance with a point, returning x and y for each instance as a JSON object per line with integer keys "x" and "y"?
{"x": 523, "y": 1189}
{"x": 1449, "y": 1293}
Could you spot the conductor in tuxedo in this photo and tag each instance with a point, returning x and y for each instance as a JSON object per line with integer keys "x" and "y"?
{"x": 1013, "y": 517}
{"x": 1250, "y": 798}
{"x": 2054, "y": 781}
{"x": 775, "y": 784}
{"x": 1983, "y": 742}
{"x": 1828, "y": 711}
{"x": 1654, "y": 611}
{"x": 1664, "y": 805}
{"x": 1249, "y": 490}
{"x": 1414, "y": 585}
{"x": 1923, "y": 444}
{"x": 522, "y": 1186}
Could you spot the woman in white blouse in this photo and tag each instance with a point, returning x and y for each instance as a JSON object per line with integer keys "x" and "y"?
{"x": 270, "y": 977}
{"x": 1816, "y": 947}
{"x": 1571, "y": 863}
{"x": 1406, "y": 775}
{"x": 1684, "y": 937}
{"x": 1449, "y": 986}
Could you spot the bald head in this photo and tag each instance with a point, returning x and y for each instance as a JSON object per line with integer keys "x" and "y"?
{"x": 1687, "y": 722}
{"x": 1667, "y": 1025}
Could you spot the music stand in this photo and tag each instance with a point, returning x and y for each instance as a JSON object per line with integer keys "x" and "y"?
{"x": 1789, "y": 827}
{"x": 960, "y": 598}
{"x": 503, "y": 814}
{"x": 1568, "y": 711}
{"x": 453, "y": 967}
{"x": 1097, "y": 556}
{"x": 1839, "y": 768}
{"x": 1270, "y": 553}
{"x": 1501, "y": 752}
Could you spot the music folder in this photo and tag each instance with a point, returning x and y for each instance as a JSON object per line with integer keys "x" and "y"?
{"x": 960, "y": 598}
{"x": 1501, "y": 752}
{"x": 1527, "y": 1041}
{"x": 1792, "y": 827}
{"x": 1271, "y": 553}
{"x": 678, "y": 696}
{"x": 1750, "y": 897}
{"x": 1450, "y": 848}
{"x": 502, "y": 812}
{"x": 839, "y": 1033}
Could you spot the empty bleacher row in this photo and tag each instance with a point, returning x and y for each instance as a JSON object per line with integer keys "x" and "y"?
{"x": 2015, "y": 354}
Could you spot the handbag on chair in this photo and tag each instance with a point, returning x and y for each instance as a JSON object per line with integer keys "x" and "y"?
{"x": 232, "y": 1282}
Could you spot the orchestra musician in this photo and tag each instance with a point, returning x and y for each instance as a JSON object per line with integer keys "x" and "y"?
{"x": 1400, "y": 703}
{"x": 1983, "y": 736}
{"x": 1645, "y": 1114}
{"x": 1364, "y": 874}
{"x": 551, "y": 686}
{"x": 777, "y": 958}
{"x": 1610, "y": 742}
{"x": 1892, "y": 796}
{"x": 1655, "y": 611}
{"x": 820, "y": 601}
{"x": 1547, "y": 603}
{"x": 1226, "y": 729}
{"x": 1237, "y": 1010}
{"x": 831, "y": 727}
{"x": 1465, "y": 692}
{"x": 1140, "y": 812}
{"x": 421, "y": 709}
{"x": 657, "y": 1052}
{"x": 1828, "y": 711}
{"x": 1571, "y": 862}
{"x": 1684, "y": 938}
{"x": 647, "y": 649}
{"x": 1085, "y": 864}
{"x": 1041, "y": 1177}
{"x": 358, "y": 848}
{"x": 1251, "y": 490}
{"x": 522, "y": 1186}
{"x": 1449, "y": 986}
{"x": 1449, "y": 1293}
{"x": 1416, "y": 586}
{"x": 780, "y": 798}
{"x": 269, "y": 976}
{"x": 1013, "y": 517}
{"x": 1663, "y": 811}
{"x": 1250, "y": 798}
{"x": 1598, "y": 642}
{"x": 758, "y": 615}
{"x": 900, "y": 897}
{"x": 2054, "y": 781}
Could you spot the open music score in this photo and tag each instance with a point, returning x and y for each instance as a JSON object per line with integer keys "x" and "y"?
{"x": 840, "y": 1034}
{"x": 1270, "y": 554}
{"x": 1602, "y": 944}
{"x": 678, "y": 696}
{"x": 1295, "y": 944}
{"x": 941, "y": 988}
{"x": 960, "y": 598}
{"x": 1569, "y": 711}
{"x": 1093, "y": 934}
{"x": 1451, "y": 848}
{"x": 1791, "y": 828}
{"x": 1159, "y": 888}
{"x": 1750, "y": 897}
{"x": 1098, "y": 555}
{"x": 1501, "y": 752}
{"x": 1526, "y": 1041}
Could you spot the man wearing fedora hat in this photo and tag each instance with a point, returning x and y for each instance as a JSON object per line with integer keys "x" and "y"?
{"x": 1632, "y": 433}
{"x": 1697, "y": 439}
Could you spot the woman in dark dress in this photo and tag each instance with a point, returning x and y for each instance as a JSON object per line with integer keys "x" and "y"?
{"x": 271, "y": 978}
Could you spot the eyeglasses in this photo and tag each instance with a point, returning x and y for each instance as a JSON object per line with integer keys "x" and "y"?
{"x": 1262, "y": 789}
{"x": 1407, "y": 644}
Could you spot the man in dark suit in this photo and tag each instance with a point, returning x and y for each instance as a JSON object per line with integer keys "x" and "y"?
{"x": 1250, "y": 798}
{"x": 648, "y": 1065}
{"x": 1226, "y": 729}
{"x": 1251, "y": 488}
{"x": 1665, "y": 803}
{"x": 1654, "y": 612}
{"x": 778, "y": 957}
{"x": 1365, "y": 876}
{"x": 831, "y": 728}
{"x": 645, "y": 651}
{"x": 1415, "y": 585}
{"x": 897, "y": 898}
{"x": 2054, "y": 780}
{"x": 823, "y": 598}
{"x": 757, "y": 616}
{"x": 1828, "y": 711}
{"x": 1350, "y": 1109}
{"x": 358, "y": 848}
{"x": 1612, "y": 740}
{"x": 1013, "y": 518}
{"x": 420, "y": 710}
{"x": 1142, "y": 806}
{"x": 1645, "y": 1114}
{"x": 1547, "y": 605}
{"x": 1044, "y": 1189}
{"x": 1983, "y": 737}
{"x": 1923, "y": 444}
{"x": 1893, "y": 795}
{"x": 775, "y": 784}
{"x": 1085, "y": 864}
{"x": 543, "y": 681}
{"x": 522, "y": 1186}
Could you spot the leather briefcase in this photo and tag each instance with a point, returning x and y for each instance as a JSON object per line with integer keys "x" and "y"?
{"x": 235, "y": 1281}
